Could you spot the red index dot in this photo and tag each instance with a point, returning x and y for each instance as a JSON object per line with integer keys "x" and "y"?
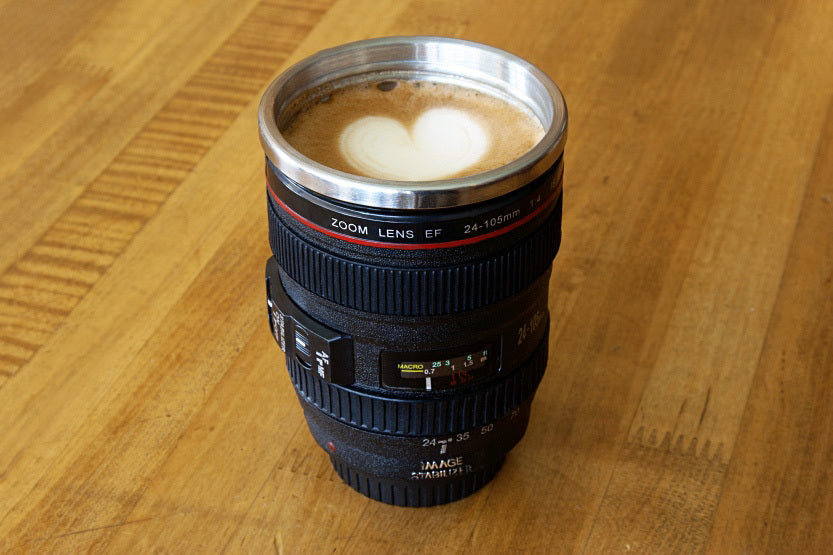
{"x": 331, "y": 446}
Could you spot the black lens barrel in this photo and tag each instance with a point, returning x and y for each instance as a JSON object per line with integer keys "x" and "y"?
{"x": 414, "y": 291}
{"x": 413, "y": 448}
{"x": 390, "y": 281}
{"x": 410, "y": 448}
{"x": 418, "y": 471}
{"x": 413, "y": 314}
{"x": 445, "y": 414}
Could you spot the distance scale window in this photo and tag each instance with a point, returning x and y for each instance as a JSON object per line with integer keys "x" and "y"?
{"x": 436, "y": 370}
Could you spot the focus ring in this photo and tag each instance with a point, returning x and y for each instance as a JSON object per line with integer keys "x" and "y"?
{"x": 415, "y": 292}
{"x": 423, "y": 417}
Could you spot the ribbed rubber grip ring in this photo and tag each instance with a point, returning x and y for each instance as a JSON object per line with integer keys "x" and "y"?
{"x": 424, "y": 417}
{"x": 415, "y": 494}
{"x": 415, "y": 292}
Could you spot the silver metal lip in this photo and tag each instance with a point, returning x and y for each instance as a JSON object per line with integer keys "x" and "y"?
{"x": 447, "y": 59}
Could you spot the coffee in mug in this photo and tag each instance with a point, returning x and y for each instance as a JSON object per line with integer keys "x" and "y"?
{"x": 411, "y": 129}
{"x": 414, "y": 204}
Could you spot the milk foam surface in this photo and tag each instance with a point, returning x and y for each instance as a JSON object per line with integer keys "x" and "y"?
{"x": 412, "y": 130}
{"x": 441, "y": 142}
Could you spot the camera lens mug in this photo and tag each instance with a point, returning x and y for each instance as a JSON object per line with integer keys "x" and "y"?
{"x": 413, "y": 314}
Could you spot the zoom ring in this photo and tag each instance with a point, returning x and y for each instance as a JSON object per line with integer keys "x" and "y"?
{"x": 414, "y": 494}
{"x": 423, "y": 417}
{"x": 415, "y": 292}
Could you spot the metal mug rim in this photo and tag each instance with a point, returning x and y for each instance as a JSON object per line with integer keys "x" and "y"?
{"x": 443, "y": 56}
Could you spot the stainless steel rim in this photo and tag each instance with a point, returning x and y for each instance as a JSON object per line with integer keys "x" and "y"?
{"x": 441, "y": 58}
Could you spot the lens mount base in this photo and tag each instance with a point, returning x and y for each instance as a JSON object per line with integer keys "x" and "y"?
{"x": 417, "y": 471}
{"x": 414, "y": 494}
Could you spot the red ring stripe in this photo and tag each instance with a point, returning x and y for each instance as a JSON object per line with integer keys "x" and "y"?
{"x": 409, "y": 246}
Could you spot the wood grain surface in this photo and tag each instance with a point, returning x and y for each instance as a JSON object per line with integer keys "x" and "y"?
{"x": 688, "y": 401}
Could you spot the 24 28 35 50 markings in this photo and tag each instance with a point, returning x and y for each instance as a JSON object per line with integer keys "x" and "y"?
{"x": 492, "y": 222}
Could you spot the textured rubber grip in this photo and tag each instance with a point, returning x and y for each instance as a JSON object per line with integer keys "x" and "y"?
{"x": 415, "y": 494}
{"x": 415, "y": 292}
{"x": 424, "y": 417}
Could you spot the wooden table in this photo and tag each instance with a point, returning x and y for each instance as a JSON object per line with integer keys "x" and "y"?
{"x": 688, "y": 403}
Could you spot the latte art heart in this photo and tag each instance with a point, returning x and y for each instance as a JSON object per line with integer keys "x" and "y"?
{"x": 410, "y": 130}
{"x": 441, "y": 143}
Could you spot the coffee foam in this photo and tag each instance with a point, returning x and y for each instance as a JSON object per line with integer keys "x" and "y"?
{"x": 441, "y": 142}
{"x": 409, "y": 130}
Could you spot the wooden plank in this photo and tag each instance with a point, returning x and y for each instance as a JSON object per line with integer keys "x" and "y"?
{"x": 779, "y": 487}
{"x": 134, "y": 185}
{"x": 733, "y": 267}
{"x": 107, "y": 329}
{"x": 145, "y": 407}
{"x": 81, "y": 108}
